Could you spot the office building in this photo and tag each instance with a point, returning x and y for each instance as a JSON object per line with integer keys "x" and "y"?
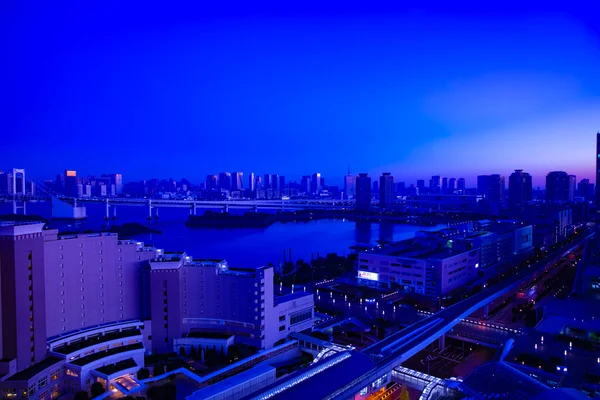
{"x": 519, "y": 188}
{"x": 375, "y": 189}
{"x": 451, "y": 185}
{"x": 267, "y": 184}
{"x": 236, "y": 180}
{"x": 315, "y": 183}
{"x": 418, "y": 269}
{"x": 281, "y": 185}
{"x": 597, "y": 168}
{"x": 491, "y": 187}
{"x": 274, "y": 181}
{"x": 305, "y": 184}
{"x": 572, "y": 187}
{"x": 435, "y": 184}
{"x": 195, "y": 299}
{"x": 401, "y": 189}
{"x": 6, "y": 183}
{"x": 584, "y": 189}
{"x": 444, "y": 185}
{"x": 212, "y": 182}
{"x": 421, "y": 184}
{"x": 350, "y": 186}
{"x": 386, "y": 190}
{"x": 251, "y": 182}
{"x": 460, "y": 184}
{"x": 117, "y": 180}
{"x": 557, "y": 186}
{"x": 225, "y": 181}
{"x": 363, "y": 192}
{"x": 71, "y": 183}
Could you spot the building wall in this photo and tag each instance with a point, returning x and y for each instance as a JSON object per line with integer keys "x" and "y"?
{"x": 91, "y": 280}
{"x": 166, "y": 305}
{"x": 285, "y": 317}
{"x": 23, "y": 289}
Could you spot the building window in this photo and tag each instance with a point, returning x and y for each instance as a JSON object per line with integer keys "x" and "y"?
{"x": 300, "y": 317}
{"x": 42, "y": 382}
{"x": 282, "y": 328}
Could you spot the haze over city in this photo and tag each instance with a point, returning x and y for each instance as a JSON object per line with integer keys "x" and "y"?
{"x": 416, "y": 91}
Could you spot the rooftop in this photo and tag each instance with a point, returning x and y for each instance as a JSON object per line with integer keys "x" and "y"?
{"x": 116, "y": 367}
{"x": 35, "y": 369}
{"x": 208, "y": 335}
{"x": 290, "y": 297}
{"x": 101, "y": 354}
{"x": 96, "y": 339}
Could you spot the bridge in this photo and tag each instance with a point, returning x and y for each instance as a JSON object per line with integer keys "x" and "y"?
{"x": 390, "y": 352}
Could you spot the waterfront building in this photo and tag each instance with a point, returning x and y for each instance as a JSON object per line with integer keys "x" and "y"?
{"x": 71, "y": 183}
{"x": 519, "y": 188}
{"x": 315, "y": 183}
{"x": 281, "y": 184}
{"x": 236, "y": 180}
{"x": 386, "y": 190}
{"x": 435, "y": 184}
{"x": 572, "y": 187}
{"x": 225, "y": 181}
{"x": 451, "y": 185}
{"x": 212, "y": 182}
{"x": 117, "y": 180}
{"x": 305, "y": 184}
{"x": 363, "y": 192}
{"x": 585, "y": 189}
{"x": 491, "y": 187}
{"x": 557, "y": 186}
{"x": 350, "y": 186}
{"x": 251, "y": 182}
{"x": 460, "y": 184}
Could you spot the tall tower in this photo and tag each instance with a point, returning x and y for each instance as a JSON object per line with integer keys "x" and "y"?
{"x": 363, "y": 192}
{"x": 597, "y": 169}
{"x": 386, "y": 190}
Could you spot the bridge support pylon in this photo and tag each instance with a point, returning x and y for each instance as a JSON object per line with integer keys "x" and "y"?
{"x": 225, "y": 208}
{"x": 107, "y": 216}
{"x": 486, "y": 310}
{"x": 114, "y": 211}
{"x": 442, "y": 342}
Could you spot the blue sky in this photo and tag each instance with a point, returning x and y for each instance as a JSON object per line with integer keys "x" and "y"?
{"x": 186, "y": 90}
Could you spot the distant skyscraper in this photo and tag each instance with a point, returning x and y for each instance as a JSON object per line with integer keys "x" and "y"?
{"x": 451, "y": 185}
{"x": 401, "y": 189}
{"x": 251, "y": 182}
{"x": 117, "y": 180}
{"x": 236, "y": 180}
{"x": 482, "y": 185}
{"x": 281, "y": 185}
{"x": 212, "y": 182}
{"x": 267, "y": 182}
{"x": 436, "y": 183}
{"x": 386, "y": 190}
{"x": 363, "y": 192}
{"x": 421, "y": 184}
{"x": 597, "y": 169}
{"x": 71, "y": 183}
{"x": 444, "y": 185}
{"x": 491, "y": 186}
{"x": 375, "y": 188}
{"x": 557, "y": 186}
{"x": 275, "y": 182}
{"x": 305, "y": 184}
{"x": 350, "y": 185}
{"x": 572, "y": 186}
{"x": 519, "y": 188}
{"x": 315, "y": 184}
{"x": 460, "y": 184}
{"x": 583, "y": 189}
{"x": 225, "y": 181}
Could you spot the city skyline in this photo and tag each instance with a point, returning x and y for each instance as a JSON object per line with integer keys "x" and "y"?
{"x": 305, "y": 87}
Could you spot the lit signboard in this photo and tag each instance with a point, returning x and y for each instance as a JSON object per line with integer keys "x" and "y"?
{"x": 372, "y": 276}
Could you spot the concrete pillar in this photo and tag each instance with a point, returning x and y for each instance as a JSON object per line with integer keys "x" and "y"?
{"x": 226, "y": 208}
{"x": 156, "y": 212}
{"x": 442, "y": 341}
{"x": 255, "y": 209}
{"x": 107, "y": 210}
{"x": 114, "y": 211}
{"x": 24, "y": 207}
{"x": 149, "y": 209}
{"x": 486, "y": 310}
{"x": 14, "y": 204}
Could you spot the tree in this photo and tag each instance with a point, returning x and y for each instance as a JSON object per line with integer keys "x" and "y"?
{"x": 182, "y": 351}
{"x": 193, "y": 352}
{"x": 97, "y": 389}
{"x": 143, "y": 373}
{"x": 404, "y": 395}
{"x": 159, "y": 369}
{"x": 81, "y": 395}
